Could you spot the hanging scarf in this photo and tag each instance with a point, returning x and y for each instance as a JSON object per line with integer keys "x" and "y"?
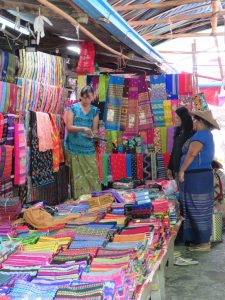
{"x": 157, "y": 140}
{"x": 170, "y": 135}
{"x": 158, "y": 87}
{"x": 172, "y": 86}
{"x": 134, "y": 166}
{"x": 44, "y": 132}
{"x": 103, "y": 86}
{"x": 20, "y": 155}
{"x": 158, "y": 113}
{"x": 118, "y": 166}
{"x": 124, "y": 106}
{"x": 11, "y": 70}
{"x": 140, "y": 162}
{"x": 161, "y": 170}
{"x": 5, "y": 161}
{"x": 185, "y": 84}
{"x": 3, "y": 128}
{"x": 105, "y": 160}
{"x": 153, "y": 166}
{"x": 147, "y": 167}
{"x": 163, "y": 137}
{"x": 10, "y": 133}
{"x": 129, "y": 165}
{"x": 144, "y": 108}
{"x": 168, "y": 117}
{"x": 57, "y": 151}
{"x": 175, "y": 105}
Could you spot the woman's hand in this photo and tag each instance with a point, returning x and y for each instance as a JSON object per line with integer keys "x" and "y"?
{"x": 169, "y": 174}
{"x": 181, "y": 176}
{"x": 87, "y": 130}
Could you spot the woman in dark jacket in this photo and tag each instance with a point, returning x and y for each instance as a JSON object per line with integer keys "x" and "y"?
{"x": 184, "y": 130}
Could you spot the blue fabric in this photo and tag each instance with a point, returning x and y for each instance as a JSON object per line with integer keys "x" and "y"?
{"x": 197, "y": 198}
{"x": 4, "y": 95}
{"x": 172, "y": 86}
{"x": 205, "y": 157}
{"x": 129, "y": 165}
{"x": 78, "y": 143}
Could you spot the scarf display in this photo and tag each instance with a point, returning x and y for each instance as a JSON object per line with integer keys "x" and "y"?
{"x": 144, "y": 108}
{"x": 20, "y": 155}
{"x": 3, "y": 128}
{"x": 113, "y": 103}
{"x": 157, "y": 140}
{"x": 6, "y": 187}
{"x": 6, "y": 161}
{"x": 118, "y": 166}
{"x": 124, "y": 106}
{"x": 161, "y": 167}
{"x": 11, "y": 68}
{"x": 140, "y": 163}
{"x": 170, "y": 135}
{"x": 147, "y": 167}
{"x": 168, "y": 116}
{"x": 8, "y": 97}
{"x": 57, "y": 151}
{"x": 158, "y": 113}
{"x": 44, "y": 132}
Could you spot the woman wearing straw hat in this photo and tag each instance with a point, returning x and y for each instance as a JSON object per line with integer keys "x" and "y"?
{"x": 196, "y": 182}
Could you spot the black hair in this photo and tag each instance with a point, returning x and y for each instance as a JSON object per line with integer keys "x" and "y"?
{"x": 86, "y": 90}
{"x": 206, "y": 123}
{"x": 216, "y": 165}
{"x": 186, "y": 122}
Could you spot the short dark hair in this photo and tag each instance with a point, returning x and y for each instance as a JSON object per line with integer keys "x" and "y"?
{"x": 206, "y": 123}
{"x": 186, "y": 122}
{"x": 86, "y": 90}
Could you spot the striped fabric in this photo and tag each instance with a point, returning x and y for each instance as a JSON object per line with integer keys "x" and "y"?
{"x": 20, "y": 155}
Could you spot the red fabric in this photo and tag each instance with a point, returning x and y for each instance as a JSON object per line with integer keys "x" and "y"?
{"x": 166, "y": 158}
{"x": 211, "y": 94}
{"x": 87, "y": 59}
{"x": 140, "y": 174}
{"x": 150, "y": 136}
{"x": 118, "y": 166}
{"x": 185, "y": 84}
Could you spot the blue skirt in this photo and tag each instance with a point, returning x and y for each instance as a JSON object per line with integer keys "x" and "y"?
{"x": 197, "y": 197}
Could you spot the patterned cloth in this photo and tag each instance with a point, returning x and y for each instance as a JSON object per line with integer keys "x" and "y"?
{"x": 118, "y": 165}
{"x": 10, "y": 133}
{"x": 113, "y": 103}
{"x": 6, "y": 187}
{"x": 6, "y": 153}
{"x": 84, "y": 174}
{"x": 158, "y": 87}
{"x": 161, "y": 170}
{"x": 172, "y": 86}
{"x": 185, "y": 84}
{"x": 124, "y": 106}
{"x": 3, "y": 128}
{"x": 168, "y": 117}
{"x": 41, "y": 162}
{"x": 157, "y": 140}
{"x": 57, "y": 151}
{"x": 44, "y": 132}
{"x": 144, "y": 108}
{"x": 147, "y": 167}
{"x": 140, "y": 166}
{"x": 158, "y": 113}
{"x": 103, "y": 86}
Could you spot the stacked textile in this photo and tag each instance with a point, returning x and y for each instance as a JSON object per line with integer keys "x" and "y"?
{"x": 9, "y": 208}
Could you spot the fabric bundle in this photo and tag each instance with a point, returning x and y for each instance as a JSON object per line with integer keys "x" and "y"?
{"x": 144, "y": 108}
{"x": 158, "y": 87}
{"x": 113, "y": 103}
{"x": 20, "y": 155}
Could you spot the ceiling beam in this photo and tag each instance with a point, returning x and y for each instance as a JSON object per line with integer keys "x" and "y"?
{"x": 175, "y": 19}
{"x": 156, "y": 5}
{"x": 190, "y": 52}
{"x": 181, "y": 35}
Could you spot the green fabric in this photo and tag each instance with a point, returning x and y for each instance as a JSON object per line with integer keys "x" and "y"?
{"x": 84, "y": 174}
{"x": 108, "y": 136}
{"x": 105, "y": 169}
{"x": 163, "y": 133}
{"x": 11, "y": 70}
{"x": 103, "y": 86}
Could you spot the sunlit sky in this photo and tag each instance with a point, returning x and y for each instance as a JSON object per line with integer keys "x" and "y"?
{"x": 207, "y": 63}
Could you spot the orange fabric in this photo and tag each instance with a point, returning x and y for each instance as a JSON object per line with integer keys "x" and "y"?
{"x": 57, "y": 151}
{"x": 40, "y": 219}
{"x": 140, "y": 237}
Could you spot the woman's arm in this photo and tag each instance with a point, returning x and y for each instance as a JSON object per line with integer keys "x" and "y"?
{"x": 194, "y": 149}
{"x": 95, "y": 124}
{"x": 69, "y": 124}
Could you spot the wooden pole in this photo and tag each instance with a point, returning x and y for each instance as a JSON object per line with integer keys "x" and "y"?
{"x": 195, "y": 69}
{"x": 180, "y": 35}
{"x": 214, "y": 19}
{"x": 174, "y": 19}
{"x": 73, "y": 22}
{"x": 190, "y": 52}
{"x": 155, "y": 5}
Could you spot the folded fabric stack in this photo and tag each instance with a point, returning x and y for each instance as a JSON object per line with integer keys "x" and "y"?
{"x": 120, "y": 220}
{"x": 160, "y": 207}
{"x": 62, "y": 241}
{"x": 7, "y": 282}
{"x": 138, "y": 211}
{"x": 7, "y": 230}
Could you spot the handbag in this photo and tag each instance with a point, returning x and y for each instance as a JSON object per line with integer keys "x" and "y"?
{"x": 217, "y": 227}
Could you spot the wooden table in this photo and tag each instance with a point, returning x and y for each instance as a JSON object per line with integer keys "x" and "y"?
{"x": 154, "y": 285}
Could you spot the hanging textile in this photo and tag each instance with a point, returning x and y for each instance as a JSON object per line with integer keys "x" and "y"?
{"x": 145, "y": 117}
{"x": 172, "y": 86}
{"x": 44, "y": 132}
{"x": 99, "y": 157}
{"x": 3, "y": 99}
{"x": 57, "y": 151}
{"x": 6, "y": 187}
{"x": 166, "y": 158}
{"x": 157, "y": 140}
{"x": 163, "y": 137}
{"x": 5, "y": 65}
{"x": 124, "y": 106}
{"x": 13, "y": 98}
{"x": 10, "y": 131}
{"x": 103, "y": 86}
{"x": 161, "y": 170}
{"x": 134, "y": 166}
{"x": 11, "y": 69}
{"x": 153, "y": 166}
{"x": 118, "y": 166}
{"x": 95, "y": 85}
{"x": 20, "y": 155}
{"x": 200, "y": 102}
{"x": 3, "y": 128}
{"x": 105, "y": 161}
{"x": 140, "y": 162}
{"x": 175, "y": 105}
{"x": 147, "y": 166}
{"x": 41, "y": 162}
{"x": 170, "y": 135}
{"x": 6, "y": 161}
{"x": 129, "y": 165}
{"x": 113, "y": 103}
{"x": 168, "y": 117}
{"x": 132, "y": 116}
{"x": 187, "y": 101}
{"x": 150, "y": 136}
{"x": 158, "y": 87}
{"x": 185, "y": 84}
{"x": 86, "y": 63}
{"x": 158, "y": 113}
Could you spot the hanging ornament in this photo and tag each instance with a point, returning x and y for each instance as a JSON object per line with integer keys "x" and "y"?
{"x": 17, "y": 23}
{"x": 39, "y": 26}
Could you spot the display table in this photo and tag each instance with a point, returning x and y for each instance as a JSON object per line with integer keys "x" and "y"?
{"x": 154, "y": 285}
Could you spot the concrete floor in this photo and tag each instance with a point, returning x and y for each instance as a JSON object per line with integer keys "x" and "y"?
{"x": 205, "y": 281}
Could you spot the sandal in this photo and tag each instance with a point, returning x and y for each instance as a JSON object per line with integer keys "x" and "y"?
{"x": 180, "y": 261}
{"x": 199, "y": 249}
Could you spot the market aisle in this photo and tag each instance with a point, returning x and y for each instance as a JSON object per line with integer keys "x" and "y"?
{"x": 205, "y": 281}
